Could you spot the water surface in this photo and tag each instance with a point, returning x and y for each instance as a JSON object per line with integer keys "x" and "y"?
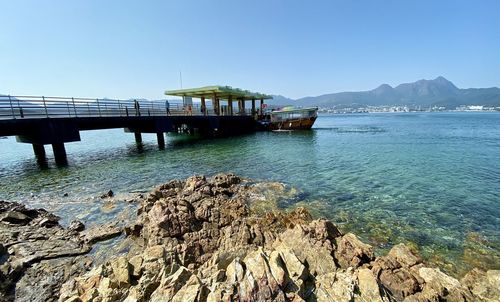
{"x": 429, "y": 179}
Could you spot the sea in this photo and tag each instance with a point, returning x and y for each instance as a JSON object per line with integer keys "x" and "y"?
{"x": 430, "y": 180}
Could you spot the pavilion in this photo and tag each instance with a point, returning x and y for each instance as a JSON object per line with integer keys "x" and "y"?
{"x": 223, "y": 93}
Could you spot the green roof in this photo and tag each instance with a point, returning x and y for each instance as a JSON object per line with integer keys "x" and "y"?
{"x": 221, "y": 92}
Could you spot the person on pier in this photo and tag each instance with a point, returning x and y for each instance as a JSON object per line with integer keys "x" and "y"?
{"x": 137, "y": 108}
{"x": 167, "y": 106}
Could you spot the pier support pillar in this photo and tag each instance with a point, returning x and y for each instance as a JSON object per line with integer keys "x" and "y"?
{"x": 39, "y": 150}
{"x": 230, "y": 105}
{"x": 59, "y": 153}
{"x": 161, "y": 140}
{"x": 253, "y": 107}
{"x": 138, "y": 137}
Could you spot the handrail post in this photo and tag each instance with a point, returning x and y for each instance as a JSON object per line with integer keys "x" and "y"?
{"x": 98, "y": 107}
{"x": 74, "y": 107}
{"x": 45, "y": 106}
{"x": 12, "y": 108}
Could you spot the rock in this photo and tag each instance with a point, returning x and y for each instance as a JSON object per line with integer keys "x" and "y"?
{"x": 199, "y": 240}
{"x": 337, "y": 286}
{"x": 76, "y": 226}
{"x": 15, "y": 217}
{"x": 121, "y": 272}
{"x": 368, "y": 286}
{"x": 136, "y": 263}
{"x": 40, "y": 257}
{"x": 49, "y": 222}
{"x": 235, "y": 271}
{"x": 351, "y": 252}
{"x": 108, "y": 194}
{"x": 401, "y": 254}
{"x": 485, "y": 286}
{"x": 100, "y": 233}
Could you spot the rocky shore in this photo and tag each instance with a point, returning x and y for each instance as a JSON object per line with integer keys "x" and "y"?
{"x": 203, "y": 240}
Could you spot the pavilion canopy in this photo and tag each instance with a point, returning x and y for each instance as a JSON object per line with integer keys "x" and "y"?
{"x": 220, "y": 92}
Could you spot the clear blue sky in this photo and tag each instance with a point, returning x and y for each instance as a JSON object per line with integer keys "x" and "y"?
{"x": 126, "y": 49}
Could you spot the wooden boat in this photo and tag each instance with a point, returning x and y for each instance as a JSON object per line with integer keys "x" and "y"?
{"x": 291, "y": 118}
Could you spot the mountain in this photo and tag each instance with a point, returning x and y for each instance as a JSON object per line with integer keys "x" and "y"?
{"x": 437, "y": 92}
{"x": 280, "y": 100}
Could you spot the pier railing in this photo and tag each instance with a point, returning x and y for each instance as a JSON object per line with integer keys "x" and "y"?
{"x": 16, "y": 107}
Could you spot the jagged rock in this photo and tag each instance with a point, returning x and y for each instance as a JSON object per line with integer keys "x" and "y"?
{"x": 198, "y": 240}
{"x": 369, "y": 289}
{"x": 484, "y": 285}
{"x": 403, "y": 256}
{"x": 37, "y": 255}
{"x": 121, "y": 272}
{"x": 351, "y": 252}
{"x": 108, "y": 194}
{"x": 15, "y": 217}
{"x": 336, "y": 286}
{"x": 136, "y": 263}
{"x": 76, "y": 226}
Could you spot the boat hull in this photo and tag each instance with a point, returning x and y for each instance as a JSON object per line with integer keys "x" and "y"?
{"x": 293, "y": 124}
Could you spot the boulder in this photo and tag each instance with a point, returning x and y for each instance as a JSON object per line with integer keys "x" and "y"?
{"x": 369, "y": 289}
{"x": 351, "y": 252}
{"x": 483, "y": 285}
{"x": 76, "y": 226}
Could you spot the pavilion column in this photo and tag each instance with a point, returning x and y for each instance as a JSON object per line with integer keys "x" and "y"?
{"x": 203, "y": 106}
{"x": 243, "y": 107}
{"x": 215, "y": 104}
{"x": 230, "y": 105}
{"x": 262, "y": 106}
{"x": 239, "y": 106}
{"x": 253, "y": 107}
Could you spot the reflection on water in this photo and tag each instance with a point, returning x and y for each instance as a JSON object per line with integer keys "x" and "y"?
{"x": 428, "y": 179}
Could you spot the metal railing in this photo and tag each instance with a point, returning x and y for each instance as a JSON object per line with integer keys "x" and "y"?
{"x": 18, "y": 107}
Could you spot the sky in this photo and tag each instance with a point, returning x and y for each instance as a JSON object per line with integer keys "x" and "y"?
{"x": 137, "y": 49}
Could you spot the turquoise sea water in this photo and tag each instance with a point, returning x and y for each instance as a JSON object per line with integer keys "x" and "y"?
{"x": 432, "y": 179}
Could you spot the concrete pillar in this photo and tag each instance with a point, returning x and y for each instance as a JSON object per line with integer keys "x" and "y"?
{"x": 215, "y": 103}
{"x": 39, "y": 153}
{"x": 253, "y": 107}
{"x": 203, "y": 106}
{"x": 243, "y": 107}
{"x": 230, "y": 104}
{"x": 161, "y": 140}
{"x": 261, "y": 106}
{"x": 138, "y": 137}
{"x": 59, "y": 153}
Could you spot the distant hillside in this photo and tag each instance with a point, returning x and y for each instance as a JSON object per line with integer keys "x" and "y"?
{"x": 280, "y": 100}
{"x": 437, "y": 92}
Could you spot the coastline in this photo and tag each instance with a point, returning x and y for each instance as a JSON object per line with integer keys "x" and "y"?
{"x": 211, "y": 240}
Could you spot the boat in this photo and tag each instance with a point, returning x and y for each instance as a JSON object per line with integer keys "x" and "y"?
{"x": 292, "y": 118}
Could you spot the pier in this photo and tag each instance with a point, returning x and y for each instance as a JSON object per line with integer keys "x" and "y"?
{"x": 40, "y": 120}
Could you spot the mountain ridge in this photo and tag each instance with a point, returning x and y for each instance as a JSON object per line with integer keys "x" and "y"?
{"x": 436, "y": 92}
